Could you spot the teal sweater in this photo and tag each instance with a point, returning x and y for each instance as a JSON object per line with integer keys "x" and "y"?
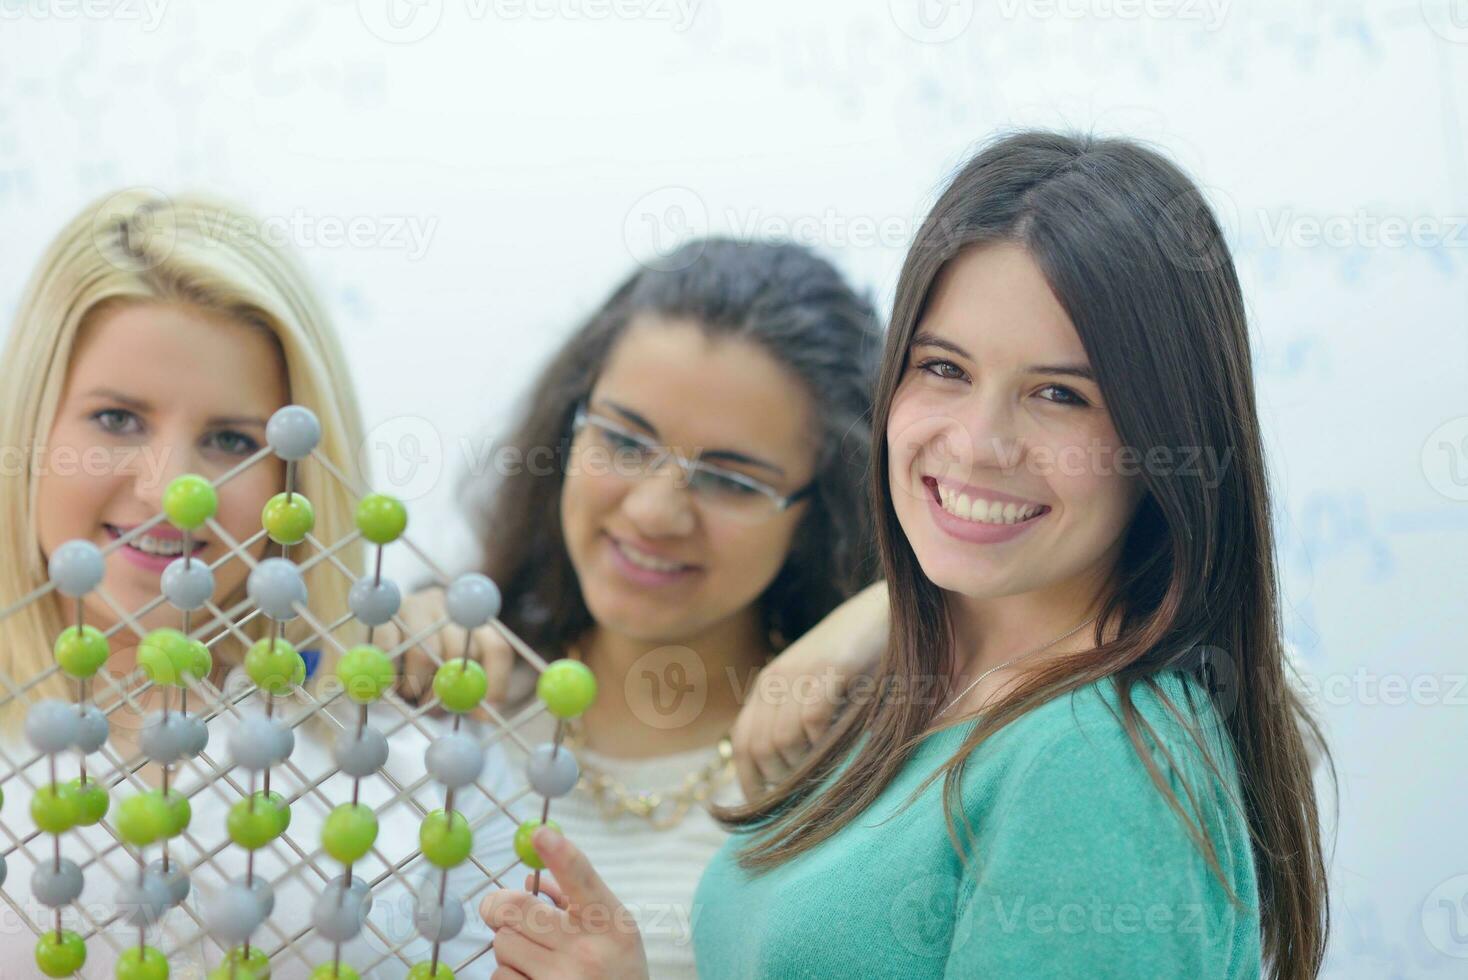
{"x": 1080, "y": 868}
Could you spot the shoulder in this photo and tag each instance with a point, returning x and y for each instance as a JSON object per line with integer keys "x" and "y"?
{"x": 1084, "y": 752}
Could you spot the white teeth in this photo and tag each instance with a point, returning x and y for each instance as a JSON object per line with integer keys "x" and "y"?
{"x": 644, "y": 561}
{"x": 984, "y": 511}
{"x": 159, "y": 546}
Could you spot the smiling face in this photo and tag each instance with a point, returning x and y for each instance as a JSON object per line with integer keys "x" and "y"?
{"x": 1002, "y": 456}
{"x": 654, "y": 562}
{"x": 155, "y": 390}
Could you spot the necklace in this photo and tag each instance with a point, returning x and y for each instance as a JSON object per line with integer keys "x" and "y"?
{"x": 1009, "y": 663}
{"x": 663, "y": 810}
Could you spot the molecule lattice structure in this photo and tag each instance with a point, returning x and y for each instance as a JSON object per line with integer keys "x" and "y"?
{"x": 270, "y": 825}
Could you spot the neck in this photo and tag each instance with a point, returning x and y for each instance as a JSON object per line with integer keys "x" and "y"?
{"x": 992, "y": 630}
{"x": 656, "y": 697}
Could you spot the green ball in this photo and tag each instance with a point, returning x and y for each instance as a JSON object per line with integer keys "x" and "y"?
{"x": 445, "y": 840}
{"x": 423, "y": 971}
{"x": 235, "y": 972}
{"x": 335, "y": 971}
{"x": 282, "y": 809}
{"x": 162, "y": 652}
{"x": 81, "y": 653}
{"x": 60, "y": 957}
{"x": 525, "y": 847}
{"x": 144, "y": 963}
{"x": 55, "y": 808}
{"x": 143, "y": 819}
{"x": 180, "y": 812}
{"x": 253, "y": 966}
{"x": 254, "y": 822}
{"x": 198, "y": 663}
{"x": 381, "y": 519}
{"x": 460, "y": 684}
{"x": 189, "y": 501}
{"x": 366, "y": 672}
{"x": 288, "y": 521}
{"x": 274, "y": 665}
{"x": 567, "y": 687}
{"x": 349, "y": 832}
{"x": 92, "y": 801}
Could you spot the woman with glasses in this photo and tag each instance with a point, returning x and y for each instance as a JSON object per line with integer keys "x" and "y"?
{"x": 690, "y": 498}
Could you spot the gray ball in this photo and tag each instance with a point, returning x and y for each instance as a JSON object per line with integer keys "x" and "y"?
{"x": 91, "y": 733}
{"x": 553, "y": 773}
{"x": 472, "y": 600}
{"x": 175, "y": 880}
{"x": 340, "y": 910}
{"x": 263, "y": 891}
{"x": 198, "y": 735}
{"x": 374, "y": 604}
{"x": 56, "y": 886}
{"x": 233, "y": 913}
{"x": 142, "y": 903}
{"x": 360, "y": 757}
{"x": 52, "y": 725}
{"x": 455, "y": 759}
{"x": 187, "y": 583}
{"x": 259, "y": 742}
{"x": 165, "y": 741}
{"x": 435, "y": 924}
{"x": 77, "y": 567}
{"x": 293, "y": 432}
{"x": 276, "y": 586}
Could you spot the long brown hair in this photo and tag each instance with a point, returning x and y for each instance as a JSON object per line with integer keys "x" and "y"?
{"x": 1136, "y": 258}
{"x": 797, "y": 308}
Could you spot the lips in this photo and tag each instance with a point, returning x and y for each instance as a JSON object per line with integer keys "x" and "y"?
{"x": 647, "y": 558}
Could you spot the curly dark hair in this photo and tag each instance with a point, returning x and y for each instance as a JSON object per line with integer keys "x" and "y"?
{"x": 797, "y": 307}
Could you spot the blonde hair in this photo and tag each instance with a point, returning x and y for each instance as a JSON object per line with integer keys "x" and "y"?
{"x": 141, "y": 246}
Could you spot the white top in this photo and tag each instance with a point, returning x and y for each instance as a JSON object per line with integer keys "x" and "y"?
{"x": 296, "y": 880}
{"x": 652, "y": 872}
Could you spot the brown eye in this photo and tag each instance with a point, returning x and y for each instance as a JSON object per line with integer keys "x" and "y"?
{"x": 1066, "y": 396}
{"x": 940, "y": 368}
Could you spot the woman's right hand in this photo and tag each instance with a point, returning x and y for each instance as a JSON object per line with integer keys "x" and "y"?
{"x": 419, "y": 612}
{"x": 797, "y": 694}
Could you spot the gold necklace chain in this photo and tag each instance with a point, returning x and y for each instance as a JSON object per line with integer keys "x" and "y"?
{"x": 663, "y": 810}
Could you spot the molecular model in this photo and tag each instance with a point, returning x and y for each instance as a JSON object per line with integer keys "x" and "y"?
{"x": 292, "y": 821}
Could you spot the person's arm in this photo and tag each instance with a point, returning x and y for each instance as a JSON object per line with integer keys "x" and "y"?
{"x": 797, "y": 694}
{"x": 1082, "y": 869}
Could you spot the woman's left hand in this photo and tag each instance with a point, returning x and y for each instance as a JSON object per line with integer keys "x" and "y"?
{"x": 586, "y": 934}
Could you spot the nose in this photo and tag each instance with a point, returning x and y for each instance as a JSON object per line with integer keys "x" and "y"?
{"x": 985, "y": 434}
{"x": 158, "y": 463}
{"x": 658, "y": 506}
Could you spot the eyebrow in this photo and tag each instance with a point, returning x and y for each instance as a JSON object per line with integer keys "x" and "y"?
{"x": 1067, "y": 370}
{"x": 138, "y": 405}
{"x": 728, "y": 455}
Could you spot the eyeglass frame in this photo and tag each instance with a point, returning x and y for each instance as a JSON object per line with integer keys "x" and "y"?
{"x": 783, "y": 502}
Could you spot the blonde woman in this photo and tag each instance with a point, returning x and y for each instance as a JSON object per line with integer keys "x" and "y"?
{"x": 156, "y": 337}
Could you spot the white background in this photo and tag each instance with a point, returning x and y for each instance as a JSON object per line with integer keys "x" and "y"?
{"x": 507, "y": 162}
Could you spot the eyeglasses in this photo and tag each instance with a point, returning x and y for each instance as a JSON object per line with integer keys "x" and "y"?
{"x": 631, "y": 455}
